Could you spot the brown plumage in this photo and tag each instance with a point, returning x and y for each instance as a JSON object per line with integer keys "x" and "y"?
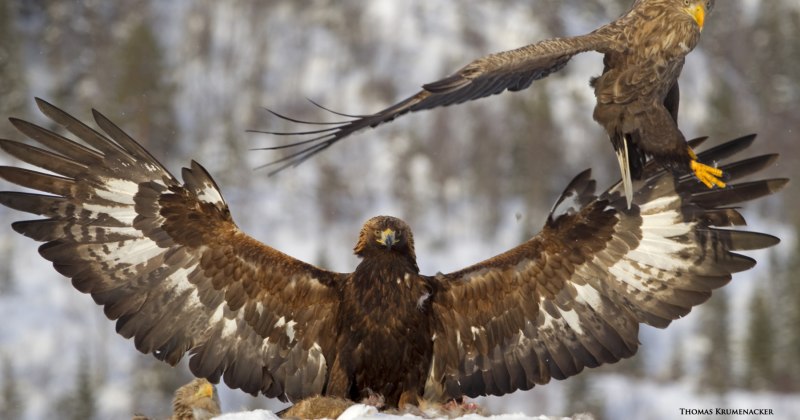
{"x": 317, "y": 407}
{"x": 166, "y": 261}
{"x": 637, "y": 93}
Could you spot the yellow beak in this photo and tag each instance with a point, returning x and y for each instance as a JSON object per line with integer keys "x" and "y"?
{"x": 698, "y": 12}
{"x": 206, "y": 390}
{"x": 387, "y": 238}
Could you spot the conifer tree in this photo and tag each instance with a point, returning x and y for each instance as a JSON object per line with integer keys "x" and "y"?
{"x": 144, "y": 93}
{"x": 760, "y": 344}
{"x": 11, "y": 403}
{"x": 79, "y": 402}
{"x": 715, "y": 374}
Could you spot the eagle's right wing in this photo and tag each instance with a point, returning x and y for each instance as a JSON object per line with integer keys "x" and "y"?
{"x": 166, "y": 261}
{"x": 573, "y": 296}
{"x": 512, "y": 70}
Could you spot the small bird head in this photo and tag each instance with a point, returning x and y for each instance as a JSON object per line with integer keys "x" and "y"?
{"x": 698, "y": 10}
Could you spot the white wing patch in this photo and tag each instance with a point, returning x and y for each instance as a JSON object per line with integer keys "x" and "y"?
{"x": 589, "y": 295}
{"x": 133, "y": 252}
{"x": 229, "y": 326}
{"x": 572, "y": 319}
{"x": 289, "y": 327}
{"x": 118, "y": 190}
{"x": 179, "y": 282}
{"x": 658, "y": 247}
{"x": 124, "y": 214}
{"x": 210, "y": 194}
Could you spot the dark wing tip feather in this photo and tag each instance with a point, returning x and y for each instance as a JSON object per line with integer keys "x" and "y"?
{"x": 341, "y": 114}
{"x": 738, "y": 193}
{"x": 122, "y": 139}
{"x": 39, "y": 204}
{"x": 693, "y": 143}
{"x": 745, "y": 167}
{"x": 575, "y": 196}
{"x": 448, "y": 84}
{"x": 748, "y": 241}
{"x": 726, "y": 149}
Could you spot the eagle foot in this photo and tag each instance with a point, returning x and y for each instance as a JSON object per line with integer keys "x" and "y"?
{"x": 708, "y": 175}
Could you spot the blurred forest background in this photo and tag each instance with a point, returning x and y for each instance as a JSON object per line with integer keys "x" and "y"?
{"x": 188, "y": 78}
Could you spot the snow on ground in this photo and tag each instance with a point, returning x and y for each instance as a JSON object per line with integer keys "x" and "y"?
{"x": 360, "y": 411}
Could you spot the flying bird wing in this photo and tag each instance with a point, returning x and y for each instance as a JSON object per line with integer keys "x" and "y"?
{"x": 167, "y": 262}
{"x": 512, "y": 70}
{"x": 574, "y": 295}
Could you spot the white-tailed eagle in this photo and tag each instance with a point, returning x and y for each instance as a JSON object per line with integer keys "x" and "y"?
{"x": 637, "y": 94}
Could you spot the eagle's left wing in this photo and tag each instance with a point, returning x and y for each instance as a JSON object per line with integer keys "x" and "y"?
{"x": 574, "y": 295}
{"x": 512, "y": 70}
{"x": 166, "y": 261}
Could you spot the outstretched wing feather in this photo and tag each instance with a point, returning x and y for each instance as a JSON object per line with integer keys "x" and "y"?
{"x": 511, "y": 70}
{"x": 574, "y": 295}
{"x": 166, "y": 261}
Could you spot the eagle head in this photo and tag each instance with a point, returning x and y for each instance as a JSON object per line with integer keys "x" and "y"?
{"x": 385, "y": 234}
{"x": 698, "y": 10}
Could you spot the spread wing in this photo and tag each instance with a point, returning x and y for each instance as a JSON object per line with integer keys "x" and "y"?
{"x": 574, "y": 295}
{"x": 512, "y": 70}
{"x": 166, "y": 261}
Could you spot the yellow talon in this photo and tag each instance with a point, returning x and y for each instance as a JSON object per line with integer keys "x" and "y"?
{"x": 708, "y": 175}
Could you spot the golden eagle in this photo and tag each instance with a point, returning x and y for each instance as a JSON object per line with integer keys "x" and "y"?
{"x": 167, "y": 262}
{"x": 637, "y": 93}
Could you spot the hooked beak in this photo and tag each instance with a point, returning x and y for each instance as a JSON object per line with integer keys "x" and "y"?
{"x": 206, "y": 390}
{"x": 698, "y": 12}
{"x": 387, "y": 238}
